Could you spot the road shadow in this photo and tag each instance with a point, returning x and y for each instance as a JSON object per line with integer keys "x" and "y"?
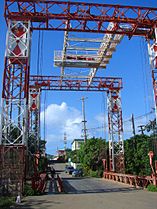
{"x": 36, "y": 203}
{"x": 70, "y": 189}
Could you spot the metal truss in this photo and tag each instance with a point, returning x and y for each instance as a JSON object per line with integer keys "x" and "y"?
{"x": 112, "y": 86}
{"x": 14, "y": 114}
{"x": 15, "y": 84}
{"x": 56, "y": 83}
{"x": 76, "y": 56}
{"x": 34, "y": 120}
{"x": 116, "y": 144}
{"x": 22, "y": 16}
{"x": 83, "y": 17}
{"x": 107, "y": 47}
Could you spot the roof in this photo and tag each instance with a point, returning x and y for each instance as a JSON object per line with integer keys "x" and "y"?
{"x": 77, "y": 140}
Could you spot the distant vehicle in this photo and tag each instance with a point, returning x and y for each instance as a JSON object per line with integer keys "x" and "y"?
{"x": 77, "y": 173}
{"x": 69, "y": 169}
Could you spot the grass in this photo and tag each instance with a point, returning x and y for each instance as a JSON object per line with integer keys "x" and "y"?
{"x": 152, "y": 188}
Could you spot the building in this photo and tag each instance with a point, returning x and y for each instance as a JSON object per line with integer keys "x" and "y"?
{"x": 76, "y": 144}
{"x": 60, "y": 152}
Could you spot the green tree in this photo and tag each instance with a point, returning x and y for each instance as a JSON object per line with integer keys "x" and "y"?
{"x": 136, "y": 155}
{"x": 91, "y": 154}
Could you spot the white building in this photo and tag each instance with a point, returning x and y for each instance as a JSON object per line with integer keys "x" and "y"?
{"x": 76, "y": 144}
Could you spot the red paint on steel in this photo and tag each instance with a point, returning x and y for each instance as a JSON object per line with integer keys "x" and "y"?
{"x": 56, "y": 83}
{"x": 83, "y": 17}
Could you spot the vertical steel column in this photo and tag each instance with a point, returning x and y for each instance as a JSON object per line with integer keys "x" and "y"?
{"x": 115, "y": 123}
{"x": 15, "y": 84}
{"x": 34, "y": 122}
{"x": 152, "y": 51}
{"x": 14, "y": 120}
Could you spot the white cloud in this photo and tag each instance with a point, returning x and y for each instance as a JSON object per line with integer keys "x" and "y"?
{"x": 101, "y": 118}
{"x": 59, "y": 119}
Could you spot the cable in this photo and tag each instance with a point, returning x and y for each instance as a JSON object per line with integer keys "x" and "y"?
{"x": 104, "y": 110}
{"x": 146, "y": 74}
{"x": 41, "y": 53}
{"x": 38, "y": 54}
{"x": 143, "y": 74}
{"x": 125, "y": 121}
{"x": 45, "y": 116}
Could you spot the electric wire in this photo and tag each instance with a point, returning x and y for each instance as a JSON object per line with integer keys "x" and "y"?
{"x": 41, "y": 52}
{"x": 146, "y": 75}
{"x": 45, "y": 98}
{"x": 38, "y": 54}
{"x": 143, "y": 75}
{"x": 125, "y": 121}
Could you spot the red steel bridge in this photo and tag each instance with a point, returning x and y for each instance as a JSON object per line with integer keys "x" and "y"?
{"x": 21, "y": 90}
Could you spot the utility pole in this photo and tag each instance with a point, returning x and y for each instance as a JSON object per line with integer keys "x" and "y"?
{"x": 133, "y": 124}
{"x": 84, "y": 119}
{"x": 65, "y": 140}
{"x": 142, "y": 129}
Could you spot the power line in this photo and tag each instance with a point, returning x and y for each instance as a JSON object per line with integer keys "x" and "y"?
{"x": 125, "y": 121}
{"x": 45, "y": 117}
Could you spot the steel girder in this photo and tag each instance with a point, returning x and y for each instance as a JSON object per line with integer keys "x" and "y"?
{"x": 115, "y": 122}
{"x": 83, "y": 17}
{"x": 64, "y": 84}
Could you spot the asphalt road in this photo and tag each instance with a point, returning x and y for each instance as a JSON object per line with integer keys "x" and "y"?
{"x": 92, "y": 193}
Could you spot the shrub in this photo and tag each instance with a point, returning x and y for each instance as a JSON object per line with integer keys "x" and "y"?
{"x": 93, "y": 173}
{"x": 152, "y": 188}
{"x": 6, "y": 202}
{"x": 28, "y": 191}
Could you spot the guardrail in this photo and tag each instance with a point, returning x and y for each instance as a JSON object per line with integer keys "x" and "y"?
{"x": 60, "y": 184}
{"x": 132, "y": 180}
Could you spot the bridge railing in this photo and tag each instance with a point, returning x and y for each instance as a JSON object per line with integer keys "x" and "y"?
{"x": 132, "y": 180}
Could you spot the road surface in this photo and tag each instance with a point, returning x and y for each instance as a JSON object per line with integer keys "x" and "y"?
{"x": 92, "y": 193}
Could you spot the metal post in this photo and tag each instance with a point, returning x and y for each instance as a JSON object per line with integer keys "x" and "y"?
{"x": 65, "y": 141}
{"x": 34, "y": 123}
{"x": 133, "y": 124}
{"x": 84, "y": 119}
{"x": 115, "y": 123}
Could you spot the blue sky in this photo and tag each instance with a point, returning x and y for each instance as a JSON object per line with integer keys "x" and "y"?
{"x": 63, "y": 109}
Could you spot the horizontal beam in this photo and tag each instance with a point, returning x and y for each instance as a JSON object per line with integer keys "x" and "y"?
{"x": 83, "y": 17}
{"x": 57, "y": 83}
{"x": 82, "y": 48}
{"x": 93, "y": 40}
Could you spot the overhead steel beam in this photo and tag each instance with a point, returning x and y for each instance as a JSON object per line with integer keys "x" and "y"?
{"x": 82, "y": 48}
{"x": 93, "y": 40}
{"x": 64, "y": 84}
{"x": 83, "y": 17}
